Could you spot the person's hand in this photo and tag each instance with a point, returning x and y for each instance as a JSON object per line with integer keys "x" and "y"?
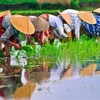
{"x": 17, "y": 46}
{"x": 68, "y": 38}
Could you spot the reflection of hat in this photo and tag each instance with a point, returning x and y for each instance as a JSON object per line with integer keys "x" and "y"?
{"x": 24, "y": 92}
{"x": 97, "y": 10}
{"x": 4, "y": 13}
{"x": 87, "y": 17}
{"x": 66, "y": 17}
{"x": 67, "y": 72}
{"x": 40, "y": 24}
{"x": 39, "y": 76}
{"x": 88, "y": 70}
{"x": 23, "y": 24}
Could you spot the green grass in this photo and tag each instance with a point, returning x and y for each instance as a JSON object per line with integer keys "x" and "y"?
{"x": 16, "y": 1}
{"x": 38, "y": 12}
{"x": 33, "y": 12}
{"x": 88, "y": 0}
{"x": 25, "y": 1}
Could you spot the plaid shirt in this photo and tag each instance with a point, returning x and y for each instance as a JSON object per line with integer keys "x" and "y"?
{"x": 75, "y": 21}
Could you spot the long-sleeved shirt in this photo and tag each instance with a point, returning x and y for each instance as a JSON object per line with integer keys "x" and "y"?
{"x": 10, "y": 30}
{"x": 93, "y": 29}
{"x": 75, "y": 21}
{"x": 57, "y": 24}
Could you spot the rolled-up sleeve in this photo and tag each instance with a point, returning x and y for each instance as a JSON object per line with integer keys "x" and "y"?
{"x": 17, "y": 36}
{"x": 61, "y": 29}
{"x": 7, "y": 34}
{"x": 9, "y": 29}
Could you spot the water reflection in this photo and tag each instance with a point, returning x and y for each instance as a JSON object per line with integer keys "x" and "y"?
{"x": 70, "y": 83}
{"x": 9, "y": 76}
{"x": 46, "y": 81}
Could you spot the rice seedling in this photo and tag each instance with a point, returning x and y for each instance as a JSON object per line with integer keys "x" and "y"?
{"x": 78, "y": 50}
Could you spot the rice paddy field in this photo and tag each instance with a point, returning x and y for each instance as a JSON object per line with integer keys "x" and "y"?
{"x": 71, "y": 66}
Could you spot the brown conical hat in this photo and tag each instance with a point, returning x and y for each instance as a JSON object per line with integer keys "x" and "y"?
{"x": 23, "y": 24}
{"x": 24, "y": 92}
{"x": 66, "y": 17}
{"x": 88, "y": 70}
{"x": 40, "y": 24}
{"x": 4, "y": 13}
{"x": 87, "y": 17}
{"x": 67, "y": 73}
{"x": 97, "y": 10}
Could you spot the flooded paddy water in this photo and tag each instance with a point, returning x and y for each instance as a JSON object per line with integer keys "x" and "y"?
{"x": 48, "y": 80}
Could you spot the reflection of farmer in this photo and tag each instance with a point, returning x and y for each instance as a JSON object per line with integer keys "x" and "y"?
{"x": 57, "y": 25}
{"x": 14, "y": 24}
{"x": 1, "y": 90}
{"x": 76, "y": 18}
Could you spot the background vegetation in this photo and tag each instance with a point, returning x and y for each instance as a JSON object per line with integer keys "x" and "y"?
{"x": 47, "y": 4}
{"x": 44, "y": 1}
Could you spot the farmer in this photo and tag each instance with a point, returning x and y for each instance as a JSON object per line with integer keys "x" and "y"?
{"x": 93, "y": 29}
{"x": 41, "y": 30}
{"x": 13, "y": 24}
{"x": 29, "y": 36}
{"x": 76, "y": 18}
{"x": 56, "y": 25}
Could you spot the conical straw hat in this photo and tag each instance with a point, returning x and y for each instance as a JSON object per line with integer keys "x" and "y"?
{"x": 23, "y": 24}
{"x": 66, "y": 17}
{"x": 4, "y": 13}
{"x": 97, "y": 10}
{"x": 24, "y": 92}
{"x": 40, "y": 24}
{"x": 87, "y": 17}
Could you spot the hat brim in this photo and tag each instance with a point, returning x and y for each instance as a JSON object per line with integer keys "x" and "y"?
{"x": 66, "y": 17}
{"x": 25, "y": 91}
{"x": 87, "y": 17}
{"x": 23, "y": 24}
{"x": 97, "y": 10}
{"x": 4, "y": 13}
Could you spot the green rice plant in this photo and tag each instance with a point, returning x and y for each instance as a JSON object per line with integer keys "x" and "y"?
{"x": 78, "y": 50}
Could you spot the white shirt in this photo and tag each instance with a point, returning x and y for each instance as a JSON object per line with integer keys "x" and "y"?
{"x": 57, "y": 23}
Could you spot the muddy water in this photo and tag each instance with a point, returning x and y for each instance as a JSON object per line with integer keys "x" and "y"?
{"x": 48, "y": 81}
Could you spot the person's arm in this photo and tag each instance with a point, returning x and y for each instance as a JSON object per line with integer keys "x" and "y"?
{"x": 6, "y": 36}
{"x": 16, "y": 45}
{"x": 61, "y": 29}
{"x": 55, "y": 33}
